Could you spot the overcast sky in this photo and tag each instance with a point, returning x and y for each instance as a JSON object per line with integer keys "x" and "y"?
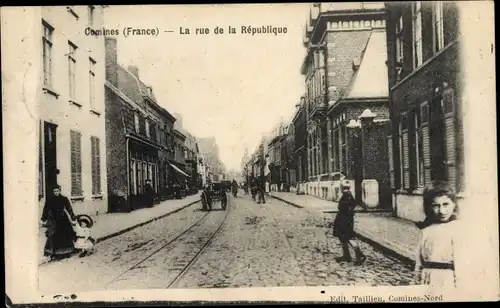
{"x": 233, "y": 87}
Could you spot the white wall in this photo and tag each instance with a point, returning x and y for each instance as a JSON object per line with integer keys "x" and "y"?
{"x": 68, "y": 116}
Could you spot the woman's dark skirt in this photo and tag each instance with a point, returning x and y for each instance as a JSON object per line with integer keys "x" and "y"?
{"x": 60, "y": 238}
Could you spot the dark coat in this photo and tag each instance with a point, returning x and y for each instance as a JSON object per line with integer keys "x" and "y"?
{"x": 343, "y": 225}
{"x": 60, "y": 233}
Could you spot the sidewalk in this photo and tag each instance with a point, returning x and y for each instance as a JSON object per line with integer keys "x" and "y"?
{"x": 112, "y": 224}
{"x": 391, "y": 234}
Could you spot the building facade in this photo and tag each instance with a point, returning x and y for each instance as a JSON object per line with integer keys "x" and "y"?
{"x": 190, "y": 151}
{"x": 72, "y": 141}
{"x": 300, "y": 143}
{"x": 345, "y": 74}
{"x": 139, "y": 136}
{"x": 426, "y": 135}
{"x": 210, "y": 150}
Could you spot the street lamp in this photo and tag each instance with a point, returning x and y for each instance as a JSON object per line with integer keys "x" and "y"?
{"x": 367, "y": 117}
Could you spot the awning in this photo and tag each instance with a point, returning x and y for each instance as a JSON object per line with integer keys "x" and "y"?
{"x": 179, "y": 170}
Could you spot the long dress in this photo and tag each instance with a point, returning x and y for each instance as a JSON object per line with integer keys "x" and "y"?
{"x": 60, "y": 234}
{"x": 436, "y": 255}
{"x": 343, "y": 225}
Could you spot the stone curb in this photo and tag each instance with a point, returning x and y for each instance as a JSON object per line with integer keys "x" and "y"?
{"x": 108, "y": 236}
{"x": 399, "y": 251}
{"x": 388, "y": 247}
{"x": 105, "y": 237}
{"x": 287, "y": 202}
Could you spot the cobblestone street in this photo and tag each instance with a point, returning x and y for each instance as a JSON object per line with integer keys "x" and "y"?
{"x": 273, "y": 244}
{"x": 260, "y": 245}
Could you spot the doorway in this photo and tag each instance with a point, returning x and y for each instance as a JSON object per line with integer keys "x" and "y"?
{"x": 50, "y": 154}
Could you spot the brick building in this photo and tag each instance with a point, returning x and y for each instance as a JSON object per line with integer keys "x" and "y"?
{"x": 426, "y": 136}
{"x": 139, "y": 136}
{"x": 300, "y": 143}
{"x": 345, "y": 74}
{"x": 70, "y": 102}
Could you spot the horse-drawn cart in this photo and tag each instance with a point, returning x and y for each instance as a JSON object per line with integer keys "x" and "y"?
{"x": 215, "y": 193}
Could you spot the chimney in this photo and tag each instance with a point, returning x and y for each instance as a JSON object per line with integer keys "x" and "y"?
{"x": 134, "y": 70}
{"x": 111, "y": 61}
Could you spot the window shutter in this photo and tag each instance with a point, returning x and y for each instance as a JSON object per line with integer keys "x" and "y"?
{"x": 40, "y": 160}
{"x": 390, "y": 151}
{"x": 93, "y": 169}
{"x": 424, "y": 116}
{"x": 406, "y": 161}
{"x": 76, "y": 163}
{"x": 73, "y": 164}
{"x": 450, "y": 140}
{"x": 79, "y": 162}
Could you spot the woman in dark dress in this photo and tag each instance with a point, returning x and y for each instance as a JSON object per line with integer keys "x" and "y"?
{"x": 343, "y": 226}
{"x": 60, "y": 233}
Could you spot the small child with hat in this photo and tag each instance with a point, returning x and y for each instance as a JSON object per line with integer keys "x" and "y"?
{"x": 84, "y": 240}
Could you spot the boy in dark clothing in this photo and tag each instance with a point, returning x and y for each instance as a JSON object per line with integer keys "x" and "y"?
{"x": 343, "y": 226}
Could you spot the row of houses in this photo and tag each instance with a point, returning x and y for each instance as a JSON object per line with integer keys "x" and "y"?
{"x": 381, "y": 105}
{"x": 103, "y": 133}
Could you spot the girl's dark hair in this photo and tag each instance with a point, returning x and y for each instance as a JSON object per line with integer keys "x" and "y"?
{"x": 56, "y": 186}
{"x": 436, "y": 189}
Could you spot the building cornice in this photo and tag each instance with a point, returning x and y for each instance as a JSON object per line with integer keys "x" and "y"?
{"x": 179, "y": 133}
{"x": 351, "y": 100}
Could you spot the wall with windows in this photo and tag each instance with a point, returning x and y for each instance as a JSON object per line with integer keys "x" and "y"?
{"x": 424, "y": 73}
{"x": 72, "y": 98}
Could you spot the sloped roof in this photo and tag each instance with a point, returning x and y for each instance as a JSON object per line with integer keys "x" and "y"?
{"x": 128, "y": 84}
{"x": 371, "y": 79}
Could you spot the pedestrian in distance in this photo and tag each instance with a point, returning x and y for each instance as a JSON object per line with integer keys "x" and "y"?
{"x": 148, "y": 194}
{"x": 343, "y": 226}
{"x": 60, "y": 234}
{"x": 436, "y": 261}
{"x": 261, "y": 193}
{"x": 253, "y": 189}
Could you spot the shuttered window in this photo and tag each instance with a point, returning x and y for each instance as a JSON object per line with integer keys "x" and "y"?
{"x": 76, "y": 163}
{"x": 40, "y": 161}
{"x": 419, "y": 151}
{"x": 450, "y": 138}
{"x": 426, "y": 149}
{"x": 406, "y": 151}
{"x": 390, "y": 151}
{"x": 96, "y": 165}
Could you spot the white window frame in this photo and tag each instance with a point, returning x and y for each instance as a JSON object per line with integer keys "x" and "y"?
{"x": 148, "y": 133}
{"x": 72, "y": 70}
{"x": 92, "y": 66}
{"x": 399, "y": 40}
{"x": 136, "y": 122}
{"x": 417, "y": 34}
{"x": 438, "y": 27}
{"x": 47, "y": 45}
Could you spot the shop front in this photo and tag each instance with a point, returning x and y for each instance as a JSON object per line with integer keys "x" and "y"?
{"x": 143, "y": 166}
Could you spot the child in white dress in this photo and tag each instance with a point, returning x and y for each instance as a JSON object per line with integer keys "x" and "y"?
{"x": 84, "y": 240}
{"x": 436, "y": 254}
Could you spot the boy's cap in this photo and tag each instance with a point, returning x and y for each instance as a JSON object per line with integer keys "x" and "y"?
{"x": 346, "y": 184}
